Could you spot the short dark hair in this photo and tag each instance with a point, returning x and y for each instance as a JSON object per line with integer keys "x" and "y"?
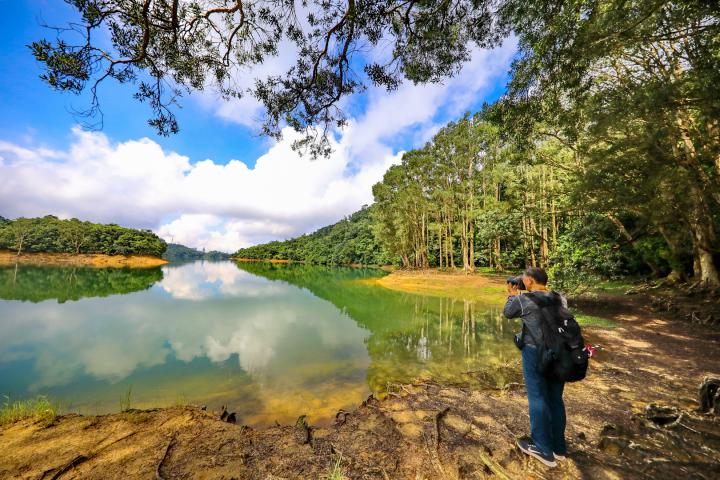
{"x": 536, "y": 273}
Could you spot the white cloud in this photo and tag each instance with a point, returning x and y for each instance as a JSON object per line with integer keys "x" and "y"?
{"x": 205, "y": 204}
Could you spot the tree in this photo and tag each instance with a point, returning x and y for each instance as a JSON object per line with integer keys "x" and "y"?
{"x": 77, "y": 233}
{"x": 21, "y": 229}
{"x": 630, "y": 88}
{"x": 169, "y": 47}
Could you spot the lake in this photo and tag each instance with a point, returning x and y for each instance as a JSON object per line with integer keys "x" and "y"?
{"x": 271, "y": 341}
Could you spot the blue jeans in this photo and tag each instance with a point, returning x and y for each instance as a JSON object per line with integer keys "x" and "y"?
{"x": 547, "y": 410}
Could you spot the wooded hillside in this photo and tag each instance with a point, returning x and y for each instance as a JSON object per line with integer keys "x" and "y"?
{"x": 349, "y": 241}
{"x": 50, "y": 234}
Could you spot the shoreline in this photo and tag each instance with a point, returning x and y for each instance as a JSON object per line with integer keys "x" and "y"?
{"x": 95, "y": 260}
{"x": 425, "y": 430}
{"x": 264, "y": 260}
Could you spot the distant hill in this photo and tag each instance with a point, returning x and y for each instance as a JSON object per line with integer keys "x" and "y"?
{"x": 349, "y": 241}
{"x": 180, "y": 253}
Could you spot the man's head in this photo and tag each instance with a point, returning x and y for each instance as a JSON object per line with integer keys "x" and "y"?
{"x": 535, "y": 278}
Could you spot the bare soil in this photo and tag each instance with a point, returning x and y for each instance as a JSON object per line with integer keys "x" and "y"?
{"x": 9, "y": 258}
{"x": 426, "y": 431}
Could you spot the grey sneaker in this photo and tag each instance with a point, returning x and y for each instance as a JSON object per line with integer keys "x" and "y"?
{"x": 528, "y": 447}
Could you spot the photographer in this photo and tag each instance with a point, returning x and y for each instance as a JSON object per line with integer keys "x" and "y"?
{"x": 547, "y": 410}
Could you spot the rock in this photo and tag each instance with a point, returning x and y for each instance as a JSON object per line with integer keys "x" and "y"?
{"x": 661, "y": 415}
{"x": 709, "y": 395}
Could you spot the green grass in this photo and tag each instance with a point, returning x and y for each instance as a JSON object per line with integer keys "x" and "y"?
{"x": 615, "y": 287}
{"x": 336, "y": 472}
{"x": 39, "y": 409}
{"x": 126, "y": 399}
{"x": 593, "y": 321}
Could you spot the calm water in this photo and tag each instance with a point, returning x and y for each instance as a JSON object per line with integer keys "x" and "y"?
{"x": 270, "y": 341}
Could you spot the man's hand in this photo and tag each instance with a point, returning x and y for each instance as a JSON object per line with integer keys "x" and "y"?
{"x": 512, "y": 289}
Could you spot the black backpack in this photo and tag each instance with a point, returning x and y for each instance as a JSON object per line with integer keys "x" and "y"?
{"x": 562, "y": 354}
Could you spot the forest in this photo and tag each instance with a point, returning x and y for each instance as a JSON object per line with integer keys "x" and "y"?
{"x": 52, "y": 235}
{"x": 611, "y": 167}
{"x": 602, "y": 159}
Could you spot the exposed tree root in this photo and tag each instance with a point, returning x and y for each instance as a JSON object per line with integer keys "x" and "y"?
{"x": 438, "y": 418}
{"x": 158, "y": 475}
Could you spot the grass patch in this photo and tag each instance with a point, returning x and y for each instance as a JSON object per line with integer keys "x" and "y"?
{"x": 336, "y": 472}
{"x": 593, "y": 321}
{"x": 615, "y": 287}
{"x": 39, "y": 409}
{"x": 126, "y": 399}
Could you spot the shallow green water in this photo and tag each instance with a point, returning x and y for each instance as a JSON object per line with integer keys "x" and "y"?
{"x": 270, "y": 341}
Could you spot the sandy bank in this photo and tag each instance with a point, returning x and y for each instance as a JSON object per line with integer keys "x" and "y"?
{"x": 8, "y": 258}
{"x": 477, "y": 287}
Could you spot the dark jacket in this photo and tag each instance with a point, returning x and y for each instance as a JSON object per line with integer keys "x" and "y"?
{"x": 520, "y": 306}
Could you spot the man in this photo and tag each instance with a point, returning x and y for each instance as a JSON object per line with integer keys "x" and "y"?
{"x": 547, "y": 410}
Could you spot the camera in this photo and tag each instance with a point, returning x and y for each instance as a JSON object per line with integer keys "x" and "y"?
{"x": 517, "y": 282}
{"x": 519, "y": 340}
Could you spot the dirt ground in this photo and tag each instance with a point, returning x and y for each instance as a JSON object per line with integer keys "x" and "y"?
{"x": 426, "y": 431}
{"x": 8, "y": 258}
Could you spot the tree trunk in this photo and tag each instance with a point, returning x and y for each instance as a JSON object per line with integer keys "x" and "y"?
{"x": 498, "y": 252}
{"x": 472, "y": 246}
{"x": 700, "y": 223}
{"x": 440, "y": 250}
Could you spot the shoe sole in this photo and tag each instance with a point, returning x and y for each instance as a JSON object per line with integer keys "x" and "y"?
{"x": 538, "y": 457}
{"x": 560, "y": 457}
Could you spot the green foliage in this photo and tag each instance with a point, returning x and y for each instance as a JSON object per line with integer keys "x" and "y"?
{"x": 588, "y": 251}
{"x": 50, "y": 234}
{"x": 39, "y": 409}
{"x": 630, "y": 89}
{"x": 349, "y": 241}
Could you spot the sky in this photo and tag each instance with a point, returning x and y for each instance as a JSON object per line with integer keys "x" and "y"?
{"x": 217, "y": 184}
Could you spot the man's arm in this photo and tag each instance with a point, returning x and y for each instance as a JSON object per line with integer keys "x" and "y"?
{"x": 513, "y": 307}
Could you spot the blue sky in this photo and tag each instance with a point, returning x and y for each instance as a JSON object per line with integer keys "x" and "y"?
{"x": 198, "y": 193}
{"x": 29, "y": 106}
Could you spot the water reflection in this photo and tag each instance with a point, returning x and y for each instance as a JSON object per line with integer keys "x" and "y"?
{"x": 273, "y": 342}
{"x": 35, "y": 284}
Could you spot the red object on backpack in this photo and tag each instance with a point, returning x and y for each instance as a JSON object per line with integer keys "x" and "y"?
{"x": 590, "y": 350}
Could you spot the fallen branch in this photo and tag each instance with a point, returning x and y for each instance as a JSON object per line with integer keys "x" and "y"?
{"x": 494, "y": 466}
